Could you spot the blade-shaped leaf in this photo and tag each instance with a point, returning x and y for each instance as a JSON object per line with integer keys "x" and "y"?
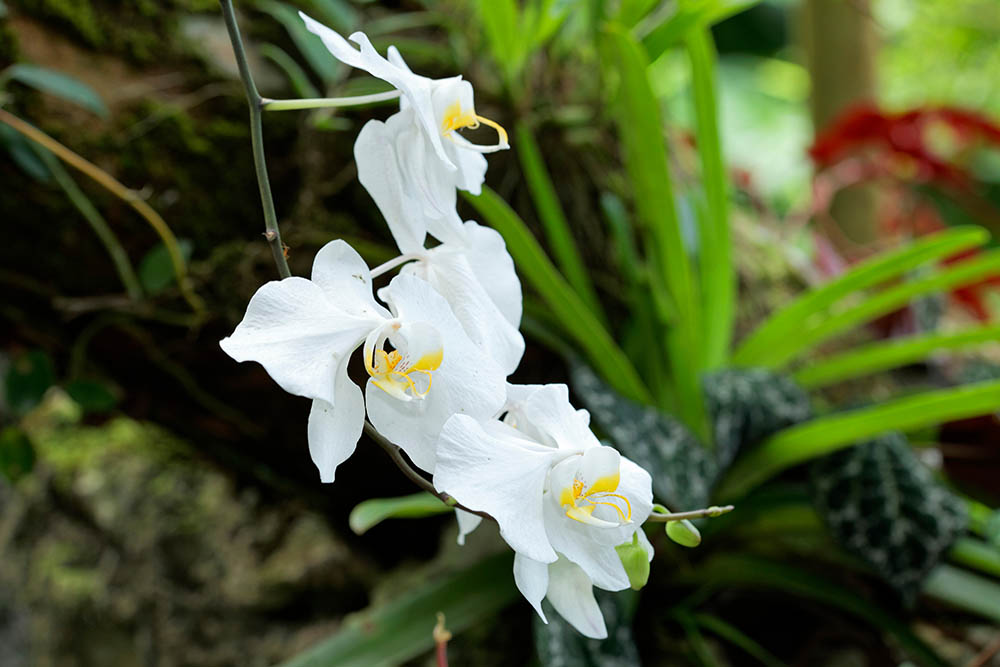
{"x": 681, "y": 468}
{"x": 390, "y": 634}
{"x": 373, "y": 512}
{"x": 690, "y": 16}
{"x": 309, "y": 45}
{"x": 572, "y": 313}
{"x": 56, "y": 83}
{"x": 296, "y": 76}
{"x": 965, "y": 590}
{"x": 827, "y": 434}
{"x": 558, "y": 644}
{"x": 883, "y": 506}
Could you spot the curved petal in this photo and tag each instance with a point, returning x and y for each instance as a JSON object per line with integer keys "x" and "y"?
{"x": 381, "y": 174}
{"x": 300, "y": 338}
{"x": 344, "y": 276}
{"x": 494, "y": 268}
{"x": 449, "y": 272}
{"x": 426, "y": 178}
{"x": 549, "y": 416}
{"x": 334, "y": 432}
{"x": 571, "y": 594}
{"x": 467, "y": 522}
{"x": 500, "y": 474}
{"x": 576, "y": 541}
{"x": 467, "y": 382}
{"x": 532, "y": 579}
{"x": 471, "y": 164}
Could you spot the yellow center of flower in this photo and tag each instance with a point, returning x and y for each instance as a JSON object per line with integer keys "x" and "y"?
{"x": 456, "y": 119}
{"x": 580, "y": 500}
{"x": 392, "y": 373}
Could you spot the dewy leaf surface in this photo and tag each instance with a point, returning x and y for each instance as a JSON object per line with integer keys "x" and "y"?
{"x": 885, "y": 507}
{"x": 682, "y": 469}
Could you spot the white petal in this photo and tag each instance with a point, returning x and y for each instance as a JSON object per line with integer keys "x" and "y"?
{"x": 532, "y": 579}
{"x": 636, "y": 485}
{"x": 646, "y": 544}
{"x": 467, "y": 522}
{"x": 344, "y": 276}
{"x": 599, "y": 465}
{"x": 298, "y": 335}
{"x": 471, "y": 164}
{"x": 467, "y": 381}
{"x": 428, "y": 180}
{"x": 549, "y": 416}
{"x": 571, "y": 594}
{"x": 590, "y": 547}
{"x": 334, "y": 432}
{"x": 380, "y": 172}
{"x": 494, "y": 267}
{"x": 500, "y": 474}
{"x": 448, "y": 271}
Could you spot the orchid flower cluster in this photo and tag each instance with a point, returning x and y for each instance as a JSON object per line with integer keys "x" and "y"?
{"x": 437, "y": 346}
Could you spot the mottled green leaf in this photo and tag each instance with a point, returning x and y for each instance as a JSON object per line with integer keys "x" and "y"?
{"x": 56, "y": 83}
{"x": 886, "y": 508}
{"x": 682, "y": 469}
{"x": 558, "y": 644}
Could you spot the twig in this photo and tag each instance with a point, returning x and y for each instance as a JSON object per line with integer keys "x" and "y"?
{"x": 112, "y": 185}
{"x": 657, "y": 517}
{"x": 267, "y": 104}
{"x": 255, "y": 102}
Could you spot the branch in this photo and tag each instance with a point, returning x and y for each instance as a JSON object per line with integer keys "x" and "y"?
{"x": 255, "y": 101}
{"x": 658, "y": 517}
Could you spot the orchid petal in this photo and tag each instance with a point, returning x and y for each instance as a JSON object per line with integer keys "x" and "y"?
{"x": 532, "y": 579}
{"x": 498, "y": 473}
{"x": 494, "y": 268}
{"x": 344, "y": 276}
{"x": 575, "y": 541}
{"x": 334, "y": 432}
{"x": 467, "y": 522}
{"x": 571, "y": 594}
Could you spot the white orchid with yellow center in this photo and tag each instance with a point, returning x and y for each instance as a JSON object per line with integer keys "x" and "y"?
{"x": 562, "y": 500}
{"x": 303, "y": 332}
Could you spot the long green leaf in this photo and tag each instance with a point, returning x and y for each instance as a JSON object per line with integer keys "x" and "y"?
{"x": 297, "y": 77}
{"x": 641, "y": 130}
{"x": 391, "y": 634}
{"x": 577, "y": 320}
{"x": 728, "y": 570}
{"x": 718, "y": 282}
{"x": 737, "y": 637}
{"x": 977, "y": 555}
{"x": 823, "y": 435}
{"x": 884, "y": 355}
{"x": 965, "y": 591}
{"x": 882, "y": 303}
{"x": 790, "y": 320}
{"x": 690, "y": 16}
{"x": 310, "y": 46}
{"x": 554, "y": 223}
{"x": 372, "y": 512}
{"x": 56, "y": 83}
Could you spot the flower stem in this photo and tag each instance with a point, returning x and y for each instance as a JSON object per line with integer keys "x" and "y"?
{"x": 659, "y": 517}
{"x": 255, "y": 102}
{"x": 326, "y": 102}
{"x": 392, "y": 263}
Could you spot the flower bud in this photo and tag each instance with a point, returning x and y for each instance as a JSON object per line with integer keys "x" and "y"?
{"x": 635, "y": 560}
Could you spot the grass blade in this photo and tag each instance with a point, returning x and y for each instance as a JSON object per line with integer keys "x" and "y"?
{"x": 718, "y": 282}
{"x": 823, "y": 435}
{"x": 884, "y": 355}
{"x": 965, "y": 591}
{"x": 56, "y": 83}
{"x": 637, "y": 114}
{"x": 690, "y": 16}
{"x": 576, "y": 319}
{"x": 296, "y": 76}
{"x": 393, "y": 633}
{"x": 789, "y": 321}
{"x": 553, "y": 219}
{"x": 737, "y": 637}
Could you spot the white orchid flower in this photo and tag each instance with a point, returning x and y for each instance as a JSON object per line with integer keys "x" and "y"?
{"x": 425, "y": 130}
{"x": 562, "y": 500}
{"x": 303, "y": 333}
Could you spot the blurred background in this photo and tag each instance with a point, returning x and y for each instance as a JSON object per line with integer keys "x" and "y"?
{"x": 158, "y": 505}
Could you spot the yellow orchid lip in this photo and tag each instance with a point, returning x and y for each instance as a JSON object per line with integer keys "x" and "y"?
{"x": 392, "y": 372}
{"x": 456, "y": 119}
{"x": 598, "y": 493}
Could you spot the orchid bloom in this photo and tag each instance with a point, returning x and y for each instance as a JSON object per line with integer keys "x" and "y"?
{"x": 303, "y": 332}
{"x": 562, "y": 500}
{"x": 425, "y": 130}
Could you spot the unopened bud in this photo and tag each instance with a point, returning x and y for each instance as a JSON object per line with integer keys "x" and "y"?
{"x": 635, "y": 560}
{"x": 684, "y": 533}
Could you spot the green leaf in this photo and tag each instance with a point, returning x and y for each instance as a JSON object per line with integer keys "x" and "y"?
{"x": 684, "y": 533}
{"x": 310, "y": 46}
{"x": 23, "y": 155}
{"x": 690, "y": 16}
{"x": 554, "y": 222}
{"x": 965, "y": 590}
{"x": 390, "y": 634}
{"x": 631, "y": 12}
{"x": 297, "y": 77}
{"x": 635, "y": 560}
{"x": 500, "y": 22}
{"x": 827, "y": 434}
{"x": 572, "y": 313}
{"x": 976, "y": 555}
{"x": 718, "y": 280}
{"x": 737, "y": 637}
{"x": 640, "y": 127}
{"x": 782, "y": 327}
{"x": 728, "y": 570}
{"x": 17, "y": 454}
{"x": 156, "y": 270}
{"x": 888, "y": 354}
{"x": 883, "y": 506}
{"x": 373, "y": 512}
{"x": 748, "y": 405}
{"x": 682, "y": 470}
{"x": 30, "y": 375}
{"x": 56, "y": 83}
{"x": 338, "y": 14}
{"x": 91, "y": 395}
{"x": 558, "y": 644}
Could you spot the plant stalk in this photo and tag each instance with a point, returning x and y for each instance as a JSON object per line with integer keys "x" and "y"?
{"x": 267, "y": 104}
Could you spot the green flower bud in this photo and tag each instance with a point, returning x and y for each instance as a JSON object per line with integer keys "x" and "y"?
{"x": 684, "y": 533}
{"x": 636, "y": 562}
